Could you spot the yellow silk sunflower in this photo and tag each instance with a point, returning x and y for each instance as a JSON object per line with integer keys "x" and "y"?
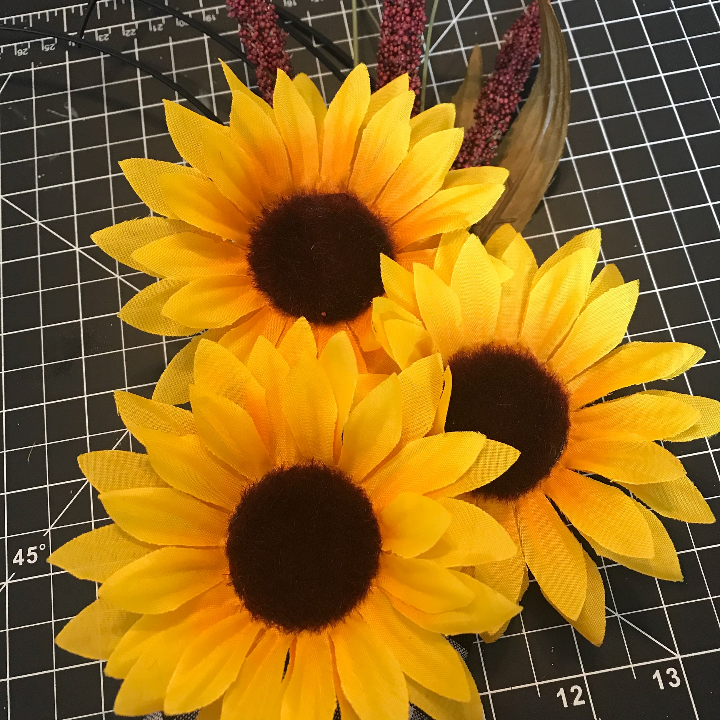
{"x": 529, "y": 353}
{"x": 285, "y": 213}
{"x": 289, "y": 543}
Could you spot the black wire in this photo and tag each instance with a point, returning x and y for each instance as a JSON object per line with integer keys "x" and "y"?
{"x": 321, "y": 39}
{"x": 130, "y": 61}
{"x": 308, "y": 45}
{"x": 202, "y": 27}
{"x": 86, "y": 17}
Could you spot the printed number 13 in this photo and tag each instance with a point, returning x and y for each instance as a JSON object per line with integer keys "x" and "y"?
{"x": 674, "y": 680}
{"x": 576, "y": 690}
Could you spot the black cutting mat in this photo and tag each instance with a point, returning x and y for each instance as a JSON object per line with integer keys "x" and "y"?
{"x": 642, "y": 162}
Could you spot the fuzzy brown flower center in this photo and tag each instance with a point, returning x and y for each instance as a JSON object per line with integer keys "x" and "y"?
{"x": 317, "y": 255}
{"x": 509, "y": 396}
{"x": 303, "y": 547}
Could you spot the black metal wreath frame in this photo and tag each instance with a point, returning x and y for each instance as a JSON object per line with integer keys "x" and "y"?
{"x": 314, "y": 41}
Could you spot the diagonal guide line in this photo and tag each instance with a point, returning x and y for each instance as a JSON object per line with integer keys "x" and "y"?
{"x": 74, "y": 247}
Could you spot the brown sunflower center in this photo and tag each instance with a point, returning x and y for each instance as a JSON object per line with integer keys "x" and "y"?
{"x": 507, "y": 394}
{"x": 317, "y": 255}
{"x": 303, "y": 547}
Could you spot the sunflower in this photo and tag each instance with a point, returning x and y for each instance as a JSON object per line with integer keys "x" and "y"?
{"x": 289, "y": 543}
{"x": 529, "y": 353}
{"x": 285, "y": 213}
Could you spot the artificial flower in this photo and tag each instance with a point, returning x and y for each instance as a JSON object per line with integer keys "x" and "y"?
{"x": 529, "y": 353}
{"x": 285, "y": 214}
{"x": 289, "y": 543}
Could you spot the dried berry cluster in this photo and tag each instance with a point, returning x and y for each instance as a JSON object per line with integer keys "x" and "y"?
{"x": 263, "y": 40}
{"x": 401, "y": 39}
{"x": 501, "y": 93}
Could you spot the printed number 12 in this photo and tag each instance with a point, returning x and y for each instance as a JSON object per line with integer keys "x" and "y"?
{"x": 576, "y": 690}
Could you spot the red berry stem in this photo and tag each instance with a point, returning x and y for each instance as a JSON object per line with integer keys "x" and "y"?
{"x": 500, "y": 95}
{"x": 263, "y": 40}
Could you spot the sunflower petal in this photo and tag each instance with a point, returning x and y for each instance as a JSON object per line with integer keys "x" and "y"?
{"x": 438, "y": 425}
{"x": 599, "y": 328}
{"x": 412, "y": 524}
{"x": 373, "y": 429}
{"x": 492, "y": 461}
{"x": 437, "y": 119}
{"x": 144, "y": 310}
{"x": 310, "y": 410}
{"x": 186, "y": 129}
{"x": 632, "y": 364}
{"x": 442, "y": 708}
{"x": 145, "y": 686}
{"x": 632, "y": 461}
{"x": 118, "y": 470}
{"x": 708, "y": 422}
{"x": 477, "y": 286}
{"x": 213, "y": 302}
{"x": 255, "y": 695}
{"x": 607, "y": 279}
{"x": 486, "y": 613}
{"x": 424, "y": 465}
{"x": 185, "y": 464}
{"x": 588, "y": 240}
{"x": 440, "y": 309}
{"x": 555, "y": 302}
{"x": 95, "y": 631}
{"x": 122, "y": 240}
{"x": 98, "y": 554}
{"x": 338, "y": 361}
{"x": 426, "y": 657}
{"x": 218, "y": 371}
{"x": 473, "y": 537}
{"x": 210, "y": 664}
{"x": 370, "y": 676}
{"x": 420, "y": 175}
{"x": 604, "y": 513}
{"x": 166, "y": 517}
{"x": 384, "y": 145}
{"x": 399, "y": 284}
{"x": 342, "y": 124}
{"x": 237, "y": 86}
{"x": 591, "y": 621}
{"x": 297, "y": 127}
{"x": 188, "y": 255}
{"x": 552, "y": 553}
{"x": 381, "y": 97}
{"x": 312, "y": 96}
{"x": 510, "y": 247}
{"x": 446, "y": 210}
{"x": 407, "y": 343}
{"x": 165, "y": 579}
{"x": 647, "y": 415}
{"x": 423, "y": 584}
{"x": 144, "y": 178}
{"x": 230, "y": 433}
{"x": 197, "y": 201}
{"x": 310, "y": 692}
{"x": 476, "y": 176}
{"x": 138, "y": 412}
{"x": 172, "y": 387}
{"x": 420, "y": 386}
{"x": 508, "y": 576}
{"x": 664, "y": 564}
{"x": 298, "y": 342}
{"x": 678, "y": 499}
{"x": 209, "y": 607}
{"x": 233, "y": 172}
{"x": 257, "y": 134}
